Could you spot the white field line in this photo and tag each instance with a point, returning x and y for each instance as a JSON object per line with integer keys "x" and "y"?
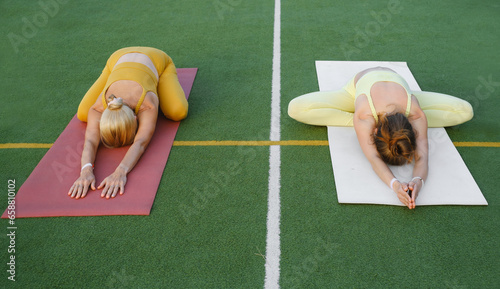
{"x": 273, "y": 250}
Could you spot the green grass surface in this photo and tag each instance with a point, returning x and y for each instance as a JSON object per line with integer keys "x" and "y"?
{"x": 207, "y": 227}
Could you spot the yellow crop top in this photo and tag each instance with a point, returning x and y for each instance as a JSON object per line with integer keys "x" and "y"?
{"x": 365, "y": 83}
{"x": 134, "y": 71}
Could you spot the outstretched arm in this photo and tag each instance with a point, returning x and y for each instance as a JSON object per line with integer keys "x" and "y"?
{"x": 420, "y": 170}
{"x": 364, "y": 126}
{"x": 115, "y": 182}
{"x": 80, "y": 187}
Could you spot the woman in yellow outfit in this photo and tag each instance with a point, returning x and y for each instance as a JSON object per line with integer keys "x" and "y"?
{"x": 390, "y": 121}
{"x": 121, "y": 108}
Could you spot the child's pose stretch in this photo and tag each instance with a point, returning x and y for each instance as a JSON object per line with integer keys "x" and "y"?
{"x": 121, "y": 108}
{"x": 390, "y": 121}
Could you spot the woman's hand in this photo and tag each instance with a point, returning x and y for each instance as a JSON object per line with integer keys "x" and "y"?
{"x": 113, "y": 184}
{"x": 414, "y": 186}
{"x": 401, "y": 189}
{"x": 80, "y": 187}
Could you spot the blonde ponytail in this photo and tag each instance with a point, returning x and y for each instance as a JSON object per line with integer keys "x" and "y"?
{"x": 118, "y": 125}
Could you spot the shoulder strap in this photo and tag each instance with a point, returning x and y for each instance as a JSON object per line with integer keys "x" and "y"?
{"x": 372, "y": 107}
{"x": 104, "y": 103}
{"x": 408, "y": 105}
{"x": 141, "y": 100}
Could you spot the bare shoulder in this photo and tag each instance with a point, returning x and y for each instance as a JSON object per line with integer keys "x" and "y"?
{"x": 151, "y": 99}
{"x": 363, "y": 120}
{"x": 150, "y": 102}
{"x": 364, "y": 127}
{"x": 98, "y": 106}
{"x": 362, "y": 108}
{"x": 416, "y": 112}
{"x": 418, "y": 121}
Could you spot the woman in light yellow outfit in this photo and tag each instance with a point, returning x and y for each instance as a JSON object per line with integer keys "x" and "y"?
{"x": 121, "y": 108}
{"x": 390, "y": 121}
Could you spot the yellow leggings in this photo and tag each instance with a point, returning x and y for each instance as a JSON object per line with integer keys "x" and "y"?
{"x": 336, "y": 108}
{"x": 172, "y": 99}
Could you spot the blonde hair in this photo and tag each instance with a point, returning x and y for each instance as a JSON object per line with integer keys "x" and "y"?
{"x": 118, "y": 125}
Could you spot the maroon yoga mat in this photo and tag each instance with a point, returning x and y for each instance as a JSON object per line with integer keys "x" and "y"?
{"x": 45, "y": 192}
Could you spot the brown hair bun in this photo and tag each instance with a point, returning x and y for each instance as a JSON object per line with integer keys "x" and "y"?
{"x": 395, "y": 139}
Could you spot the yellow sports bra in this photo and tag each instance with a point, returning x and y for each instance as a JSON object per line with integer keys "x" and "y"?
{"x": 134, "y": 71}
{"x": 365, "y": 83}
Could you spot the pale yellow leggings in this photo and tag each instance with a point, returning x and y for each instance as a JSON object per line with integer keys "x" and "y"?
{"x": 336, "y": 108}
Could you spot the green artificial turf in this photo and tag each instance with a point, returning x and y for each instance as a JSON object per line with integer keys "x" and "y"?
{"x": 207, "y": 227}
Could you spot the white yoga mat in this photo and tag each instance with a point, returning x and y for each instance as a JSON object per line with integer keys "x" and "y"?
{"x": 449, "y": 181}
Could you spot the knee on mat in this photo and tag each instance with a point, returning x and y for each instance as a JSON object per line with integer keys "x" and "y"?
{"x": 460, "y": 114}
{"x": 295, "y": 109}
{"x": 467, "y": 111}
{"x": 177, "y": 113}
{"x": 81, "y": 115}
{"x": 463, "y": 112}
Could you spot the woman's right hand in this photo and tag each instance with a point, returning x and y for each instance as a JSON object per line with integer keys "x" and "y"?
{"x": 401, "y": 189}
{"x": 81, "y": 186}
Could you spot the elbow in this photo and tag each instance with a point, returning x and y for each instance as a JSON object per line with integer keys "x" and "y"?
{"x": 90, "y": 146}
{"x": 141, "y": 144}
{"x": 375, "y": 160}
{"x": 422, "y": 163}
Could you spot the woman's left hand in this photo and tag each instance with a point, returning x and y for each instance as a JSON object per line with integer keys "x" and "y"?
{"x": 414, "y": 187}
{"x": 113, "y": 184}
